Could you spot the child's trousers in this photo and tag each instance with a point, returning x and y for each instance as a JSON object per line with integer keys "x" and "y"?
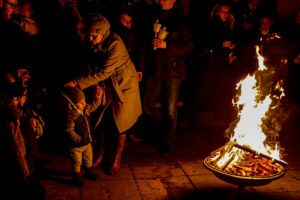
{"x": 81, "y": 154}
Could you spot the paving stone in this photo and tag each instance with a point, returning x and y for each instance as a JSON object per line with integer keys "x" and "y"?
{"x": 295, "y": 173}
{"x": 52, "y": 176}
{"x": 192, "y": 158}
{"x": 53, "y": 160}
{"x": 146, "y": 159}
{"x": 209, "y": 181}
{"x": 281, "y": 195}
{"x": 287, "y": 183}
{"x": 178, "y": 187}
{"x": 111, "y": 189}
{"x": 195, "y": 169}
{"x": 152, "y": 189}
{"x": 124, "y": 173}
{"x": 156, "y": 171}
{"x": 214, "y": 188}
{"x": 62, "y": 192}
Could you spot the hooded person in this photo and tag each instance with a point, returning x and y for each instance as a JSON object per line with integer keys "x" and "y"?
{"x": 119, "y": 72}
{"x": 79, "y": 132}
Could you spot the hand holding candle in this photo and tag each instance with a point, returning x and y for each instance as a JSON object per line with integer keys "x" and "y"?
{"x": 163, "y": 33}
{"x": 159, "y": 42}
{"x": 156, "y": 27}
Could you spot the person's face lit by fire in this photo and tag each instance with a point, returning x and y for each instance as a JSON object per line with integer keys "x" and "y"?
{"x": 166, "y": 4}
{"x": 95, "y": 38}
{"x": 9, "y": 8}
{"x": 126, "y": 20}
{"x": 81, "y": 104}
{"x": 254, "y": 3}
{"x": 10, "y": 78}
{"x": 265, "y": 25}
{"x": 26, "y": 9}
{"x": 224, "y": 13}
{"x": 23, "y": 74}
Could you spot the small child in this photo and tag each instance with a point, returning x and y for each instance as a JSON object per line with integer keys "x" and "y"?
{"x": 79, "y": 132}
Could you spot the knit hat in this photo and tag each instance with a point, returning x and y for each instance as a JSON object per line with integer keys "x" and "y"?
{"x": 98, "y": 24}
{"x": 75, "y": 94}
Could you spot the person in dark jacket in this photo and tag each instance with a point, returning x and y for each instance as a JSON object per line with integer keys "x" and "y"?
{"x": 130, "y": 35}
{"x": 12, "y": 40}
{"x": 166, "y": 68}
{"x": 220, "y": 78}
{"x": 293, "y": 82}
{"x": 128, "y": 31}
{"x": 16, "y": 161}
{"x": 79, "y": 132}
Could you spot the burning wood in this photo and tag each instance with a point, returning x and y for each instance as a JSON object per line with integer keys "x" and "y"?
{"x": 244, "y": 162}
{"x": 261, "y": 154}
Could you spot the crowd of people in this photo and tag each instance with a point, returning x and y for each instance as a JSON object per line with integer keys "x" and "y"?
{"x": 88, "y": 74}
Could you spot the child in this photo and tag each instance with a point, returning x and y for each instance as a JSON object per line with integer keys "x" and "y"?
{"x": 78, "y": 132}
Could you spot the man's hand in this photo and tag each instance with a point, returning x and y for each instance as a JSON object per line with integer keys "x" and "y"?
{"x": 140, "y": 76}
{"x": 158, "y": 43}
{"x": 227, "y": 44}
{"x": 231, "y": 58}
{"x": 72, "y": 84}
{"x": 232, "y": 46}
{"x": 98, "y": 92}
{"x": 247, "y": 26}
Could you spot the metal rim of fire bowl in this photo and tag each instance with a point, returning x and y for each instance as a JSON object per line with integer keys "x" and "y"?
{"x": 242, "y": 180}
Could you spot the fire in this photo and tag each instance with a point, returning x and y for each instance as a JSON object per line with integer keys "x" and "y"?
{"x": 260, "y": 60}
{"x": 248, "y": 132}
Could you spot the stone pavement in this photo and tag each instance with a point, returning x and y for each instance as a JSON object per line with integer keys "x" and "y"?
{"x": 145, "y": 175}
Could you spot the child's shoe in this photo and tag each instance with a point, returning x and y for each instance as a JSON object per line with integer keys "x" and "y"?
{"x": 88, "y": 174}
{"x": 77, "y": 181}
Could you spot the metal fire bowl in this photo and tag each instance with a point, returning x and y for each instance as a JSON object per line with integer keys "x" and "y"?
{"x": 242, "y": 180}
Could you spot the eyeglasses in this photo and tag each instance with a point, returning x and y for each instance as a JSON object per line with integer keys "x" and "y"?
{"x": 13, "y": 5}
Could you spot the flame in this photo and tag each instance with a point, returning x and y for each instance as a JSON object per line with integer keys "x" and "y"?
{"x": 260, "y": 60}
{"x": 248, "y": 132}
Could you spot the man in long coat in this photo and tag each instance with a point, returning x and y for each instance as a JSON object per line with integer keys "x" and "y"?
{"x": 120, "y": 73}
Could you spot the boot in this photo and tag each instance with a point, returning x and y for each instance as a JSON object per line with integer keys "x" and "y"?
{"x": 88, "y": 174}
{"x": 115, "y": 167}
{"x": 77, "y": 181}
{"x": 99, "y": 159}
